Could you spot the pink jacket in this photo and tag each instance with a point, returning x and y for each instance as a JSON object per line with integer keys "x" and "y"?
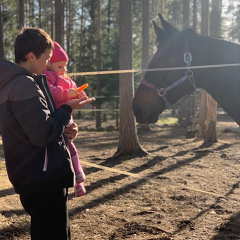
{"x": 59, "y": 86}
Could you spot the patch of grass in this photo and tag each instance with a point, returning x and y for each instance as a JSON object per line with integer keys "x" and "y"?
{"x": 167, "y": 120}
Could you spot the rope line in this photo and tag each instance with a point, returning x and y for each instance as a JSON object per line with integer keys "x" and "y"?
{"x": 152, "y": 69}
{"x": 139, "y": 176}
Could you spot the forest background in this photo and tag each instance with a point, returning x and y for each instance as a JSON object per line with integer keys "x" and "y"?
{"x": 89, "y": 32}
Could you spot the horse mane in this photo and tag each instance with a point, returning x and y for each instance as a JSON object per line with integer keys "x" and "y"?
{"x": 189, "y": 31}
{"x": 219, "y": 38}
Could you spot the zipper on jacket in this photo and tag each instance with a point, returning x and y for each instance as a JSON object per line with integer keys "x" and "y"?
{"x": 45, "y": 161}
{"x": 46, "y": 155}
{"x": 43, "y": 83}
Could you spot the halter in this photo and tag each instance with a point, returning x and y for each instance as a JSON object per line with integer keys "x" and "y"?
{"x": 162, "y": 92}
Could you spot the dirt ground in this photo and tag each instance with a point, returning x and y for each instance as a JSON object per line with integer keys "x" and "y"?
{"x": 181, "y": 190}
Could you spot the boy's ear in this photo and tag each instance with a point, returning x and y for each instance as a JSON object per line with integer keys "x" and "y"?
{"x": 30, "y": 56}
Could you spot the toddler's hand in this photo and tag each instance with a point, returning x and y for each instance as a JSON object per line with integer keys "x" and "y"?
{"x": 72, "y": 92}
{"x": 82, "y": 94}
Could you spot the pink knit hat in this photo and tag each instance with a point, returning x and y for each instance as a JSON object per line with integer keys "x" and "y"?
{"x": 59, "y": 54}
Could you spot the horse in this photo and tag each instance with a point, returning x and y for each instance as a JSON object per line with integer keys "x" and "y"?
{"x": 196, "y": 61}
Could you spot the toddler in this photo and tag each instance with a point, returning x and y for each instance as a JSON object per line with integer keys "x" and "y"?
{"x": 63, "y": 90}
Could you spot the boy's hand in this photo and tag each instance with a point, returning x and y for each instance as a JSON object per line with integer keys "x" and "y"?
{"x": 71, "y": 131}
{"x": 79, "y": 103}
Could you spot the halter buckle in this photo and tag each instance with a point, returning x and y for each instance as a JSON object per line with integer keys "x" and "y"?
{"x": 161, "y": 92}
{"x": 189, "y": 73}
{"x": 187, "y": 57}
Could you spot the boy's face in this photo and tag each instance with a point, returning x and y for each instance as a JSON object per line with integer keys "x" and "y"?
{"x": 59, "y": 67}
{"x": 38, "y": 65}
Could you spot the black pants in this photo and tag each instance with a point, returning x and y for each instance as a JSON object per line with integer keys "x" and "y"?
{"x": 49, "y": 214}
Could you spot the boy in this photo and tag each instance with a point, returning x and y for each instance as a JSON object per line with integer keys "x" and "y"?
{"x": 36, "y": 155}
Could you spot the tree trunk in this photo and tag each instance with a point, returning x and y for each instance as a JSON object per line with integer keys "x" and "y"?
{"x": 52, "y": 25}
{"x": 145, "y": 33}
{"x": 109, "y": 16}
{"x": 215, "y": 30}
{"x": 186, "y": 13}
{"x": 202, "y": 113}
{"x": 69, "y": 28}
{"x": 99, "y": 64}
{"x": 184, "y": 114}
{"x": 58, "y": 21}
{"x": 39, "y": 14}
{"x": 32, "y": 13}
{"x": 194, "y": 25}
{"x": 215, "y": 18}
{"x": 128, "y": 139}
{"x": 153, "y": 36}
{"x": 21, "y": 14}
{"x": 203, "y": 94}
{"x": 145, "y": 42}
{"x": 1, "y": 35}
{"x": 208, "y": 106}
{"x": 81, "y": 42}
{"x": 211, "y": 133}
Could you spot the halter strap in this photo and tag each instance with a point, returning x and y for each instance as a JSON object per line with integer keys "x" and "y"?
{"x": 187, "y": 57}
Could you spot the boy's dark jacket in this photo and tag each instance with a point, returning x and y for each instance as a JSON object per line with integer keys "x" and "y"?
{"x": 36, "y": 155}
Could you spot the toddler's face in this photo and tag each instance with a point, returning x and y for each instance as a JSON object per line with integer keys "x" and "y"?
{"x": 59, "y": 67}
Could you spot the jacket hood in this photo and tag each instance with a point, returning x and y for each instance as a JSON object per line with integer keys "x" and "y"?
{"x": 9, "y": 71}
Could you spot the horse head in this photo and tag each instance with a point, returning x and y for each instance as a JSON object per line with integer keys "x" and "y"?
{"x": 160, "y": 88}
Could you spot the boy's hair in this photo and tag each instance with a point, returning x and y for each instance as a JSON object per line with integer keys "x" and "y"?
{"x": 31, "y": 40}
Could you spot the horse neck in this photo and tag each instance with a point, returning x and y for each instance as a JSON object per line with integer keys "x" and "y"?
{"x": 222, "y": 83}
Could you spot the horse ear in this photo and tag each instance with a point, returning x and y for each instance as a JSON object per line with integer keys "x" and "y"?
{"x": 167, "y": 26}
{"x": 159, "y": 32}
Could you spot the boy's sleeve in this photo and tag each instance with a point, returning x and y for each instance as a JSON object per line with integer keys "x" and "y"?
{"x": 31, "y": 110}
